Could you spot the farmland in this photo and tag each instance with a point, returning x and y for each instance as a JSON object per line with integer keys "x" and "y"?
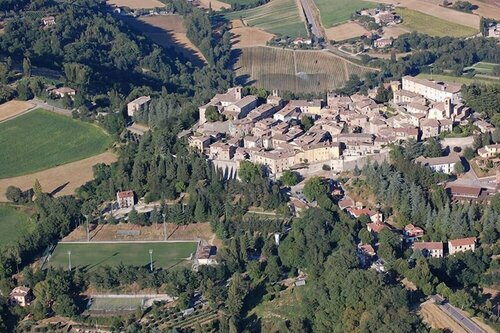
{"x": 345, "y": 31}
{"x": 457, "y": 79}
{"x": 168, "y": 31}
{"x": 40, "y": 140}
{"x": 13, "y": 108}
{"x": 137, "y": 4}
{"x": 431, "y": 25}
{"x": 14, "y": 223}
{"x": 89, "y": 256}
{"x": 280, "y": 17}
{"x": 339, "y": 11}
{"x": 61, "y": 180}
{"x": 298, "y": 71}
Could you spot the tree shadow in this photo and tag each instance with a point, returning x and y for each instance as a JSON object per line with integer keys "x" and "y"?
{"x": 58, "y": 189}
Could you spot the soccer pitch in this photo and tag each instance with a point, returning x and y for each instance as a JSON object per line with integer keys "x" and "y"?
{"x": 89, "y": 256}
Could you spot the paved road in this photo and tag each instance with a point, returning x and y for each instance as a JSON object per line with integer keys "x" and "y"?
{"x": 315, "y": 26}
{"x": 457, "y": 316}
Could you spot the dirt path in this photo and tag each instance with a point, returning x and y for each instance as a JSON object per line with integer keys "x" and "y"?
{"x": 61, "y": 180}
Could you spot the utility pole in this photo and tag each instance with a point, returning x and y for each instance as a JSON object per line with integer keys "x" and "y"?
{"x": 151, "y": 259}
{"x": 69, "y": 260}
{"x": 87, "y": 227}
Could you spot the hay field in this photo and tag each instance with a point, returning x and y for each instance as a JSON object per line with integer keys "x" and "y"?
{"x": 137, "y": 4}
{"x": 13, "y": 108}
{"x": 280, "y": 17}
{"x": 338, "y": 11}
{"x": 431, "y": 25}
{"x": 214, "y": 4}
{"x": 345, "y": 31}
{"x": 297, "y": 71}
{"x": 168, "y": 31}
{"x": 14, "y": 223}
{"x": 91, "y": 255}
{"x": 41, "y": 140}
{"x": 395, "y": 31}
{"x": 432, "y": 9}
{"x": 61, "y": 180}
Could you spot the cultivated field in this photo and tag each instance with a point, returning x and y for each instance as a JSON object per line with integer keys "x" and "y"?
{"x": 137, "y": 4}
{"x": 13, "y": 108}
{"x": 214, "y": 4}
{"x": 61, "y": 180}
{"x": 168, "y": 31}
{"x": 338, "y": 11}
{"x": 13, "y": 224}
{"x": 89, "y": 256}
{"x": 280, "y": 17}
{"x": 249, "y": 36}
{"x": 457, "y": 79}
{"x": 486, "y": 8}
{"x": 432, "y": 9}
{"x": 395, "y": 31}
{"x": 40, "y": 140}
{"x": 431, "y": 25}
{"x": 345, "y": 31}
{"x": 298, "y": 71}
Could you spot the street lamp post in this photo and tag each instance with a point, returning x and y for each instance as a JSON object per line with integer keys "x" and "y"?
{"x": 164, "y": 227}
{"x": 69, "y": 260}
{"x": 151, "y": 259}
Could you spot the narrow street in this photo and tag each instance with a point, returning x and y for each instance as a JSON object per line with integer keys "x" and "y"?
{"x": 312, "y": 20}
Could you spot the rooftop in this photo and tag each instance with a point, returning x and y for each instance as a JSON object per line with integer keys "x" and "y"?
{"x": 438, "y": 85}
{"x": 462, "y": 241}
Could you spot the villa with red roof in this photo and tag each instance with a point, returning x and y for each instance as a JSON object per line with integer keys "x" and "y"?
{"x": 461, "y": 245}
{"x": 430, "y": 249}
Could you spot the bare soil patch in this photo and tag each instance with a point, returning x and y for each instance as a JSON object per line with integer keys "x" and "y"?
{"x": 237, "y": 24}
{"x": 13, "y": 108}
{"x": 436, "y": 318}
{"x": 249, "y": 36}
{"x": 216, "y": 5}
{"x": 61, "y": 180}
{"x": 137, "y": 4}
{"x": 168, "y": 31}
{"x": 345, "y": 31}
{"x": 430, "y": 8}
{"x": 108, "y": 232}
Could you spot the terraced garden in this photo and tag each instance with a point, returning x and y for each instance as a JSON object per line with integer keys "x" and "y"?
{"x": 280, "y": 17}
{"x": 297, "y": 71}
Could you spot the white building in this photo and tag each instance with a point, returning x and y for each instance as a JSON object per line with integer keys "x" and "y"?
{"x": 436, "y": 91}
{"x": 444, "y": 164}
{"x": 462, "y": 245}
{"x": 138, "y": 104}
{"x": 125, "y": 199}
{"x": 430, "y": 249}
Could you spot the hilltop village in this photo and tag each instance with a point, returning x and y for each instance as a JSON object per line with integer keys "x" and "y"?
{"x": 335, "y": 134}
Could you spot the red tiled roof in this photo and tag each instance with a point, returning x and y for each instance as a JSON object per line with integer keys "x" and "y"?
{"x": 464, "y": 191}
{"x": 376, "y": 227}
{"x": 462, "y": 241}
{"x": 125, "y": 194}
{"x": 428, "y": 246}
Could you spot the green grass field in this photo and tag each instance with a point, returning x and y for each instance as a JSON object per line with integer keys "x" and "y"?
{"x": 280, "y": 17}
{"x": 432, "y": 26}
{"x": 41, "y": 140}
{"x": 457, "y": 79}
{"x": 13, "y": 224}
{"x": 90, "y": 256}
{"x": 338, "y": 11}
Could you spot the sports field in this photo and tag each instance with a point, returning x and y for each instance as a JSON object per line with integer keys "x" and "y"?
{"x": 41, "y": 140}
{"x": 13, "y": 224}
{"x": 339, "y": 11}
{"x": 280, "y": 17}
{"x": 431, "y": 25}
{"x": 91, "y": 255}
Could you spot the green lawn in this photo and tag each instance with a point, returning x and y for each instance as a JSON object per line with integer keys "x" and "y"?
{"x": 90, "y": 256}
{"x": 280, "y": 17}
{"x": 13, "y": 224}
{"x": 431, "y": 25}
{"x": 334, "y": 12}
{"x": 41, "y": 140}
{"x": 457, "y": 79}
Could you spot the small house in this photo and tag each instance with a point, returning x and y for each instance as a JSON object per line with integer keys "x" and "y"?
{"x": 21, "y": 296}
{"x": 125, "y": 199}
{"x": 462, "y": 245}
{"x": 430, "y": 249}
{"x": 48, "y": 21}
{"x": 412, "y": 233}
{"x": 138, "y": 104}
